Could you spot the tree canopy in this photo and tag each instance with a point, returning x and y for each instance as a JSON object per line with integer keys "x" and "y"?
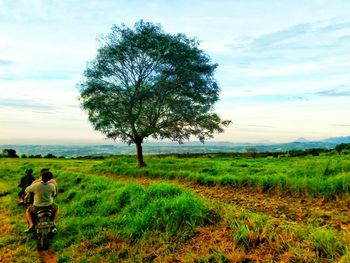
{"x": 147, "y": 83}
{"x": 11, "y": 153}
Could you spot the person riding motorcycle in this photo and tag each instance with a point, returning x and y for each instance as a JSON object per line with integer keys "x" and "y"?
{"x": 28, "y": 197}
{"x": 25, "y": 181}
{"x": 53, "y": 181}
{"x": 43, "y": 191}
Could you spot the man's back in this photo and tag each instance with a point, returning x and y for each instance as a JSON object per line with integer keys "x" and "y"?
{"x": 52, "y": 181}
{"x": 43, "y": 193}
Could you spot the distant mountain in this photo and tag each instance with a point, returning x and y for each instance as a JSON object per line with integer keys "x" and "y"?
{"x": 301, "y": 139}
{"x": 338, "y": 140}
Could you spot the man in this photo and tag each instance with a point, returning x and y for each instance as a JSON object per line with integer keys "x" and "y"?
{"x": 53, "y": 181}
{"x": 43, "y": 192}
{"x": 26, "y": 181}
{"x": 29, "y": 196}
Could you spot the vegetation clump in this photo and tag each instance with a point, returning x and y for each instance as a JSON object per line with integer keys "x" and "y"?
{"x": 326, "y": 176}
{"x": 128, "y": 210}
{"x": 9, "y": 153}
{"x": 343, "y": 147}
{"x": 252, "y": 230}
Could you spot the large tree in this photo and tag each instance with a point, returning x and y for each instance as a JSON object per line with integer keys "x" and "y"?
{"x": 148, "y": 83}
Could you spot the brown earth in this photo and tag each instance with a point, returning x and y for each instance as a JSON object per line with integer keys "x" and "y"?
{"x": 47, "y": 256}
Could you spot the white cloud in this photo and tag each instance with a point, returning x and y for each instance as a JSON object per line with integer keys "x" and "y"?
{"x": 300, "y": 53}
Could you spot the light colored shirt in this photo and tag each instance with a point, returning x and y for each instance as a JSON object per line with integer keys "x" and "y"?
{"x": 43, "y": 193}
{"x": 52, "y": 181}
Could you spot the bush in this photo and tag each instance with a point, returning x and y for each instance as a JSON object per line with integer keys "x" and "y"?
{"x": 129, "y": 209}
{"x": 9, "y": 153}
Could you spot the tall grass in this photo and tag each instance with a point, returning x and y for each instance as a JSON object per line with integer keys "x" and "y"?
{"x": 96, "y": 212}
{"x": 324, "y": 176}
{"x": 103, "y": 220}
{"x": 300, "y": 242}
{"x": 92, "y": 205}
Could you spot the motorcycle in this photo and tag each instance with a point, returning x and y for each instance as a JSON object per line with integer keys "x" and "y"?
{"x": 44, "y": 226}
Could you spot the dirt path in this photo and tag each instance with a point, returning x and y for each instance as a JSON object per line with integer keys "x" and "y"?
{"x": 335, "y": 213}
{"x": 47, "y": 256}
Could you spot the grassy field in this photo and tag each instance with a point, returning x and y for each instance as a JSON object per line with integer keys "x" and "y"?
{"x": 199, "y": 209}
{"x": 321, "y": 176}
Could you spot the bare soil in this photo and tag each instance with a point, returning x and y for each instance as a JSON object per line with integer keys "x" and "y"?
{"x": 47, "y": 256}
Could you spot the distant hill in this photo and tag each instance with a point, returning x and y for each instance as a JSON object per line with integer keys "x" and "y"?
{"x": 165, "y": 147}
{"x": 301, "y": 139}
{"x": 338, "y": 140}
{"x": 172, "y": 148}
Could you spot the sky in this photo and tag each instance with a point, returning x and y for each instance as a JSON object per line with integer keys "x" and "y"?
{"x": 284, "y": 66}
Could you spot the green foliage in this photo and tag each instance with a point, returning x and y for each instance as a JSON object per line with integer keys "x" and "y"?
{"x": 341, "y": 147}
{"x": 328, "y": 243}
{"x": 134, "y": 211}
{"x": 9, "y": 153}
{"x": 250, "y": 229}
{"x": 145, "y": 82}
{"x": 128, "y": 210}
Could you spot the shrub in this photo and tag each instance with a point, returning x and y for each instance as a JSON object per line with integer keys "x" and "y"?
{"x": 129, "y": 209}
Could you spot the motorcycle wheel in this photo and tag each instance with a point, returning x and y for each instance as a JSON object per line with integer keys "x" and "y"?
{"x": 43, "y": 240}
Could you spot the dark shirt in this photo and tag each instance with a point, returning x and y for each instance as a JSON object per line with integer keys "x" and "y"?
{"x": 26, "y": 181}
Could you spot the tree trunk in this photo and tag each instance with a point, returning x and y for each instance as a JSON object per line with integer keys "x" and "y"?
{"x": 140, "y": 162}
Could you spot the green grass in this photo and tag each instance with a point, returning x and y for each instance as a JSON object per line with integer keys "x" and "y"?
{"x": 325, "y": 176}
{"x": 129, "y": 209}
{"x": 251, "y": 230}
{"x": 4, "y": 188}
{"x": 94, "y": 207}
{"x": 96, "y": 210}
{"x": 113, "y": 221}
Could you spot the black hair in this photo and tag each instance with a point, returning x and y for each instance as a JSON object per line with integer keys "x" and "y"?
{"x": 29, "y": 171}
{"x": 44, "y": 170}
{"x": 46, "y": 176}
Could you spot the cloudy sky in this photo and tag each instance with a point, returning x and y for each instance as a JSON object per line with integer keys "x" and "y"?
{"x": 284, "y": 66}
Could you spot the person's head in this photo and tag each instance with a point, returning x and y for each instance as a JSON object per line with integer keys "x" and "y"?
{"x": 44, "y": 170}
{"x": 29, "y": 171}
{"x": 46, "y": 176}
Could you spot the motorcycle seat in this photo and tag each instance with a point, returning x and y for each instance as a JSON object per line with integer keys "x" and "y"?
{"x": 44, "y": 213}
